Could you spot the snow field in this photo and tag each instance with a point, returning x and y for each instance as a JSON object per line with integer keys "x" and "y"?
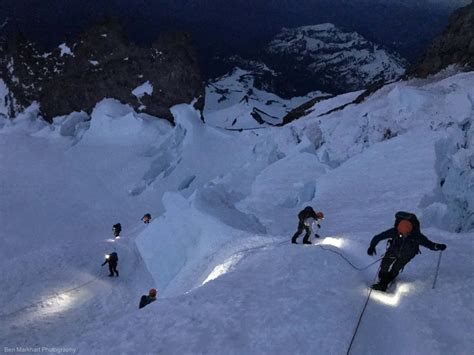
{"x": 223, "y": 207}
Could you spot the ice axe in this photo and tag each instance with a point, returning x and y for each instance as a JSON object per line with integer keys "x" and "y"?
{"x": 437, "y": 270}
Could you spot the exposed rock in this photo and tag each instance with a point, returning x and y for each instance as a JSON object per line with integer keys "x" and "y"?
{"x": 454, "y": 46}
{"x": 102, "y": 63}
{"x": 306, "y": 108}
{"x": 302, "y": 110}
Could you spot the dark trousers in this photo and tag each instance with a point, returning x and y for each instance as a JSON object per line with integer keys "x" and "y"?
{"x": 391, "y": 266}
{"x": 301, "y": 227}
{"x": 113, "y": 269}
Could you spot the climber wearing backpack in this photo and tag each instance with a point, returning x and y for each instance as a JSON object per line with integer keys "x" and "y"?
{"x": 112, "y": 260}
{"x": 117, "y": 228}
{"x": 146, "y": 300}
{"x": 146, "y": 218}
{"x": 404, "y": 241}
{"x": 306, "y": 218}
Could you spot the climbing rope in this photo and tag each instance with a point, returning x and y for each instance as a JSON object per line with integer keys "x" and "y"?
{"x": 52, "y": 296}
{"x": 361, "y": 315}
{"x": 348, "y": 261}
{"x": 368, "y": 295}
{"x": 57, "y": 294}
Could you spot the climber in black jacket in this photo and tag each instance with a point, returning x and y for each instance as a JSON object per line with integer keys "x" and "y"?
{"x": 146, "y": 300}
{"x": 306, "y": 218}
{"x": 116, "y": 229}
{"x": 405, "y": 239}
{"x": 112, "y": 260}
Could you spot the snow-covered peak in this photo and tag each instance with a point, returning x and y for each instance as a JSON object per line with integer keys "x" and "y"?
{"x": 340, "y": 61}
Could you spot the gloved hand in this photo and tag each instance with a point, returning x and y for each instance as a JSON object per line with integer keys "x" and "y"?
{"x": 371, "y": 250}
{"x": 440, "y": 246}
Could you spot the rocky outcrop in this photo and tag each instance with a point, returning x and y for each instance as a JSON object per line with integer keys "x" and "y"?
{"x": 102, "y": 63}
{"x": 454, "y": 46}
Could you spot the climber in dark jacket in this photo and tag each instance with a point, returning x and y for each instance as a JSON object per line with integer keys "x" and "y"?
{"x": 117, "y": 228}
{"x": 112, "y": 260}
{"x": 405, "y": 239}
{"x": 305, "y": 219}
{"x": 146, "y": 300}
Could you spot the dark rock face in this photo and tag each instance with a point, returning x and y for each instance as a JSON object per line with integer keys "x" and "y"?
{"x": 302, "y": 110}
{"x": 102, "y": 63}
{"x": 454, "y": 46}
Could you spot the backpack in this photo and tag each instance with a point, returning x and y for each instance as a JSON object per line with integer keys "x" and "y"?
{"x": 305, "y": 213}
{"x": 411, "y": 217}
{"x": 117, "y": 228}
{"x": 401, "y": 215}
{"x": 145, "y": 300}
{"x": 113, "y": 256}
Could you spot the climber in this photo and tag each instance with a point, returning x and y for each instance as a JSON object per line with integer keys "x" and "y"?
{"x": 117, "y": 228}
{"x": 146, "y": 218}
{"x": 146, "y": 300}
{"x": 405, "y": 239}
{"x": 112, "y": 260}
{"x": 306, "y": 218}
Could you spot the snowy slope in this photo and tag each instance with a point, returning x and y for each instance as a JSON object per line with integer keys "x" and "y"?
{"x": 233, "y": 102}
{"x": 224, "y": 206}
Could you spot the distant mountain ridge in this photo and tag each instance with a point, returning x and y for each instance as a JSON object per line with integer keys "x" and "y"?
{"x": 326, "y": 58}
{"x": 228, "y": 27}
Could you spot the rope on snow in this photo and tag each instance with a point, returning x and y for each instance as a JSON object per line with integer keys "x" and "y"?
{"x": 361, "y": 315}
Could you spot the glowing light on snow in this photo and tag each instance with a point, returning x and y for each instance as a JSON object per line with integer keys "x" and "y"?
{"x": 57, "y": 303}
{"x": 221, "y": 269}
{"x": 110, "y": 240}
{"x": 335, "y": 242}
{"x": 392, "y": 300}
{"x": 107, "y": 256}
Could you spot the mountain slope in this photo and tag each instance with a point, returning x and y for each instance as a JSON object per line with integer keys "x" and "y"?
{"x": 335, "y": 61}
{"x": 224, "y": 206}
{"x": 234, "y": 101}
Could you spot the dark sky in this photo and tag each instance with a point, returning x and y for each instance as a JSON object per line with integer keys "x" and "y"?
{"x": 225, "y": 27}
